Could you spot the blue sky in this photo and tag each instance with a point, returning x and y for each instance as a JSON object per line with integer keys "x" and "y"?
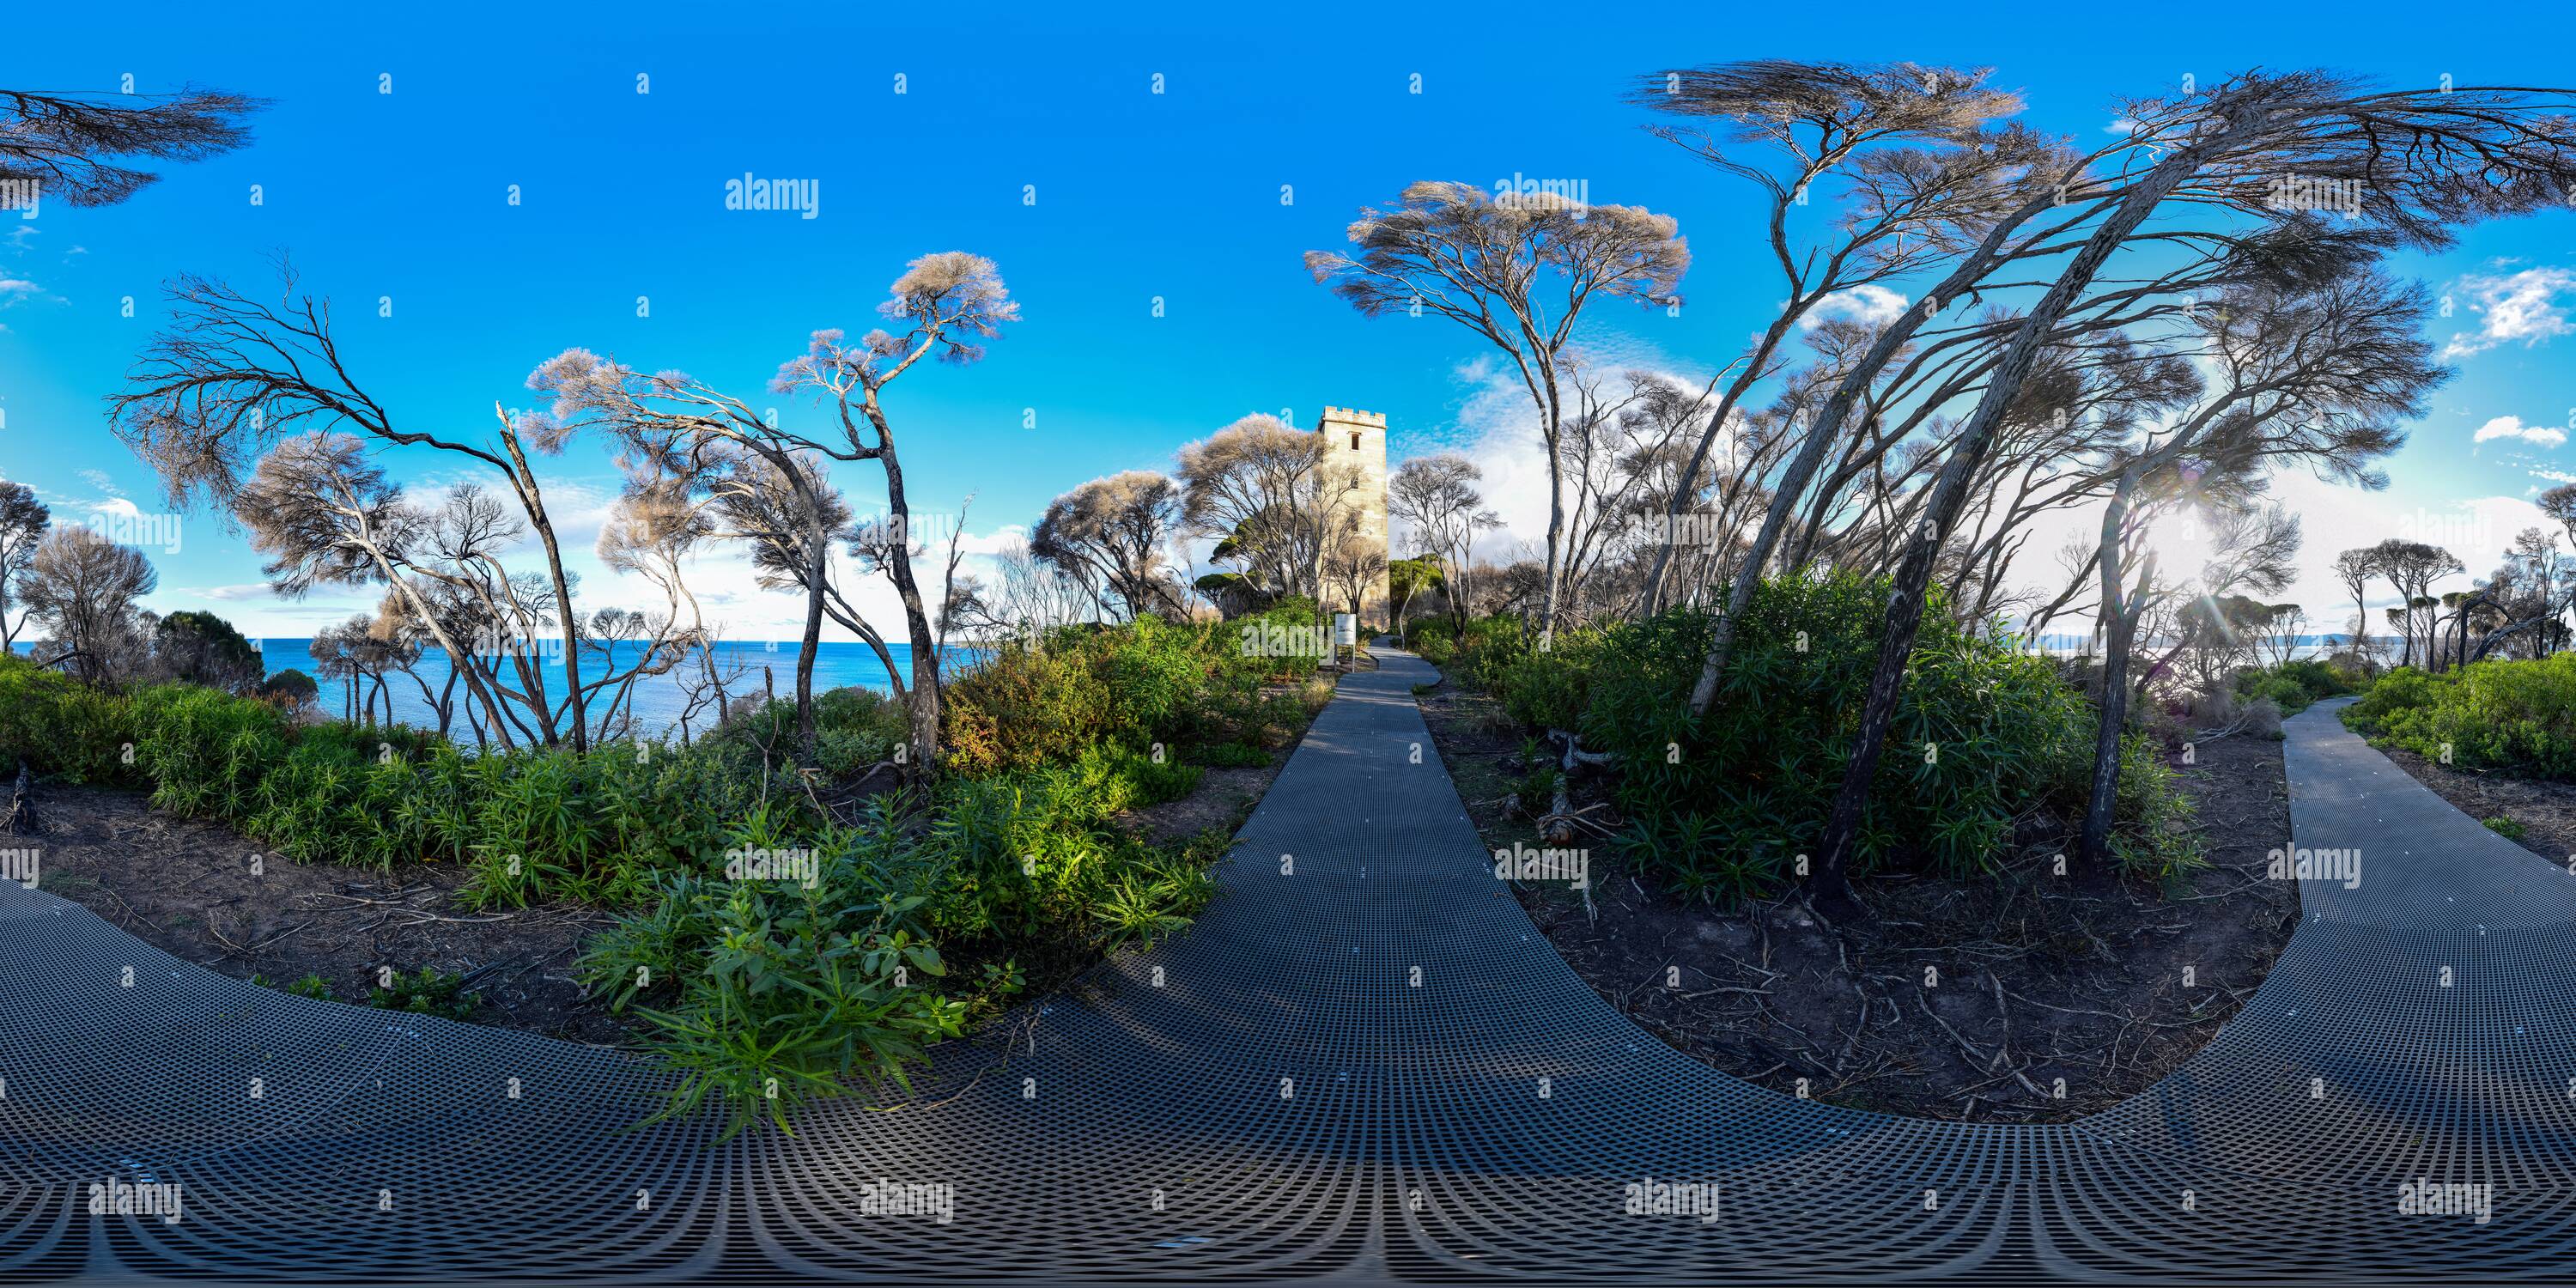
{"x": 1272, "y": 128}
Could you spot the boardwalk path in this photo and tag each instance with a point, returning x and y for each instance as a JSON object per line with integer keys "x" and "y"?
{"x": 1278, "y": 1094}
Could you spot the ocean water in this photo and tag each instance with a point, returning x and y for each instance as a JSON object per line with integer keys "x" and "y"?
{"x": 657, "y": 700}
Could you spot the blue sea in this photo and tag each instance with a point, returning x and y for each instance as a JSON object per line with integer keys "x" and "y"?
{"x": 657, "y": 700}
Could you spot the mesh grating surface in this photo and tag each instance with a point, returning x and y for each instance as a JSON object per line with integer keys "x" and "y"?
{"x": 1273, "y": 1096}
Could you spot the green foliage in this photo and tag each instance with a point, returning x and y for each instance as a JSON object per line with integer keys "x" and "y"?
{"x": 766, "y": 994}
{"x": 430, "y": 992}
{"x": 1030, "y": 705}
{"x": 2513, "y": 715}
{"x": 64, "y": 728}
{"x": 2506, "y": 828}
{"x": 760, "y": 994}
{"x": 1720, "y": 806}
{"x": 201, "y": 648}
{"x": 1478, "y": 654}
{"x": 312, "y": 986}
{"x": 2295, "y": 686}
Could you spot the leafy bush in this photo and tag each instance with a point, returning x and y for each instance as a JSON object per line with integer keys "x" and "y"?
{"x": 2295, "y": 686}
{"x": 1030, "y": 705}
{"x": 1720, "y": 806}
{"x": 2514, "y": 715}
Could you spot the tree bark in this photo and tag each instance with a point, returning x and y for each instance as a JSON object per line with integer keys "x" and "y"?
{"x": 2120, "y": 614}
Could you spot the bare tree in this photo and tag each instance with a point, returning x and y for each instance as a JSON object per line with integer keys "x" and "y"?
{"x": 66, "y": 142}
{"x": 230, "y": 376}
{"x": 1436, "y": 495}
{"x": 82, "y": 587}
{"x": 946, "y": 303}
{"x": 2356, "y": 569}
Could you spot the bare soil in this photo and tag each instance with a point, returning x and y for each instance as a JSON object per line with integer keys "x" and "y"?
{"x": 187, "y": 887}
{"x": 1966, "y": 1000}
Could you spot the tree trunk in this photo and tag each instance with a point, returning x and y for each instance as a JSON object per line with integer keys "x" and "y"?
{"x": 2120, "y": 615}
{"x": 818, "y": 557}
{"x": 924, "y": 707}
{"x": 1828, "y": 877}
{"x": 533, "y": 501}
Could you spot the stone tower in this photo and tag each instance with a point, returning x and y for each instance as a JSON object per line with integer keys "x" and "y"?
{"x": 1358, "y": 439}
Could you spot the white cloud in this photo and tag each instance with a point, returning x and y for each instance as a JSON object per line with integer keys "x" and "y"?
{"x": 99, "y": 479}
{"x": 230, "y": 594}
{"x": 2520, "y": 306}
{"x": 1867, "y": 304}
{"x": 2512, "y": 427}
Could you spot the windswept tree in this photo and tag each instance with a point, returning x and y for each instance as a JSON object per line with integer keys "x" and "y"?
{"x": 23, "y": 522}
{"x": 2356, "y": 569}
{"x": 327, "y": 516}
{"x": 231, "y": 377}
{"x": 945, "y": 305}
{"x": 1110, "y": 534}
{"x": 2412, "y": 567}
{"x": 2312, "y": 373}
{"x": 83, "y": 588}
{"x": 1914, "y": 168}
{"x": 2421, "y": 163}
{"x": 1517, "y": 270}
{"x": 82, "y": 149}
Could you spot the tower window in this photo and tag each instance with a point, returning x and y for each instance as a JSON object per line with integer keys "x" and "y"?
{"x": 1355, "y": 440}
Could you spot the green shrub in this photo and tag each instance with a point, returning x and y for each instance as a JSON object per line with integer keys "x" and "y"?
{"x": 1722, "y": 805}
{"x": 2507, "y": 828}
{"x": 2296, "y": 685}
{"x": 2513, "y": 715}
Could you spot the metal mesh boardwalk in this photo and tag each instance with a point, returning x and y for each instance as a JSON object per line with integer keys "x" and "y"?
{"x": 1273, "y": 1096}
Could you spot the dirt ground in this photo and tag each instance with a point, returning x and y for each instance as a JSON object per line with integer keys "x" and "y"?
{"x": 2546, "y": 810}
{"x": 186, "y": 886}
{"x": 1961, "y": 1000}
